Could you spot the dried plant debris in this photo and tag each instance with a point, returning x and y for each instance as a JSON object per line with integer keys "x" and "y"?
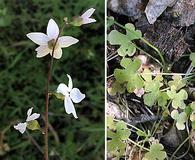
{"x": 183, "y": 13}
{"x": 131, "y": 8}
{"x": 168, "y": 39}
{"x": 192, "y": 139}
{"x": 114, "y": 110}
{"x": 155, "y": 8}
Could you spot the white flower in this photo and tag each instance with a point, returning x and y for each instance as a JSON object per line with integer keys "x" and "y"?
{"x": 85, "y": 17}
{"x": 21, "y": 127}
{"x": 71, "y": 95}
{"x": 48, "y": 41}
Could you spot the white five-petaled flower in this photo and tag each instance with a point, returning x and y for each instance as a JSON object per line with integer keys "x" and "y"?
{"x": 85, "y": 17}
{"x": 48, "y": 41}
{"x": 70, "y": 95}
{"x": 21, "y": 127}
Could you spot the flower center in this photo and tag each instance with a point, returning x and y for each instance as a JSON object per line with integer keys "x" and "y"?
{"x": 51, "y": 43}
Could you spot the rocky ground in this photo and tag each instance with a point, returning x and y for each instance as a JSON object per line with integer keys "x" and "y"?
{"x": 170, "y": 26}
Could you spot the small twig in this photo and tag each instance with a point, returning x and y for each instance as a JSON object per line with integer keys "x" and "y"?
{"x": 34, "y": 142}
{"x": 189, "y": 70}
{"x": 56, "y": 137}
{"x": 112, "y": 57}
{"x": 112, "y": 75}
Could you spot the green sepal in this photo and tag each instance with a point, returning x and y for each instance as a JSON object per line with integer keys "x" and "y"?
{"x": 33, "y": 125}
{"x": 58, "y": 95}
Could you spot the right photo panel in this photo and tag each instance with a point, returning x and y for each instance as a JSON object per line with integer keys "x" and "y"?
{"x": 150, "y": 62}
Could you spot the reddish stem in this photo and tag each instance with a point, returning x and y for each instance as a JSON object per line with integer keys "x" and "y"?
{"x": 47, "y": 98}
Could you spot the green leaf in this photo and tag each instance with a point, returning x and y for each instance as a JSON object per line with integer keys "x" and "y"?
{"x": 125, "y": 62}
{"x": 192, "y": 58}
{"x": 110, "y": 123}
{"x": 177, "y": 81}
{"x": 192, "y": 105}
{"x": 180, "y": 119}
{"x": 147, "y": 76}
{"x": 141, "y": 133}
{"x": 162, "y": 99}
{"x": 150, "y": 98}
{"x": 132, "y": 33}
{"x": 177, "y": 98}
{"x": 110, "y": 21}
{"x": 192, "y": 116}
{"x": 116, "y": 145}
{"x": 156, "y": 152}
{"x": 111, "y": 134}
{"x": 152, "y": 89}
{"x": 188, "y": 110}
{"x": 129, "y": 75}
{"x": 122, "y": 130}
{"x": 125, "y": 40}
{"x": 193, "y": 125}
{"x": 116, "y": 88}
{"x": 33, "y": 125}
{"x": 126, "y": 47}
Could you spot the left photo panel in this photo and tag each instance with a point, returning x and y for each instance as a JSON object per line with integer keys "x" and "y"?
{"x": 52, "y": 80}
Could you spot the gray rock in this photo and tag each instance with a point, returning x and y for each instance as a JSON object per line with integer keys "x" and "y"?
{"x": 168, "y": 39}
{"x": 183, "y": 13}
{"x": 155, "y": 8}
{"x": 131, "y": 8}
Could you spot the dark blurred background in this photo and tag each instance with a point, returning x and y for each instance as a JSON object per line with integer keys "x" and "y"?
{"x": 23, "y": 77}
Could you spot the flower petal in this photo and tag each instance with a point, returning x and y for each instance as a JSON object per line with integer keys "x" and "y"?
{"x": 62, "y": 88}
{"x": 42, "y": 51}
{"x": 69, "y": 107}
{"x": 76, "y": 95}
{"x": 33, "y": 117}
{"x": 38, "y": 38}
{"x": 57, "y": 53}
{"x": 52, "y": 29}
{"x": 66, "y": 41}
{"x": 88, "y": 20}
{"x": 29, "y": 111}
{"x": 21, "y": 127}
{"x": 88, "y": 13}
{"x": 70, "y": 85}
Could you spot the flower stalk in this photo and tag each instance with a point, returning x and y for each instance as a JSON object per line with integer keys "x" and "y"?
{"x": 47, "y": 103}
{"x": 51, "y": 44}
{"x": 47, "y": 93}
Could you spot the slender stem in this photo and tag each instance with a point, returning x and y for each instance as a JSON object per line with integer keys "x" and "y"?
{"x": 47, "y": 97}
{"x": 178, "y": 148}
{"x": 130, "y": 125}
{"x": 148, "y": 54}
{"x": 47, "y": 105}
{"x": 167, "y": 74}
{"x": 142, "y": 147}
